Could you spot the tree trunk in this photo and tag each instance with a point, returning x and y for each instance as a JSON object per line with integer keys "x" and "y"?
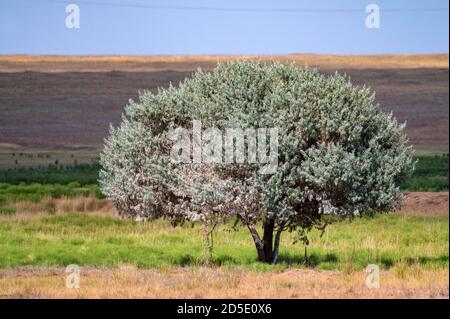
{"x": 269, "y": 226}
{"x": 266, "y": 248}
{"x": 258, "y": 243}
{"x": 277, "y": 244}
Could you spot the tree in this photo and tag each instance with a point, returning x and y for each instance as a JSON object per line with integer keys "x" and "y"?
{"x": 336, "y": 153}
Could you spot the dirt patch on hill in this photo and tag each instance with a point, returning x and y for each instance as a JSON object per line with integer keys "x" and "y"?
{"x": 425, "y": 203}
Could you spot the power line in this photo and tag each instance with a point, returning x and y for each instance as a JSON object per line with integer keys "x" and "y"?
{"x": 234, "y": 9}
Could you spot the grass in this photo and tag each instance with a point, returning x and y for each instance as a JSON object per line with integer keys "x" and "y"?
{"x": 104, "y": 241}
{"x": 35, "y": 184}
{"x": 7, "y": 211}
{"x": 431, "y": 174}
{"x": 199, "y": 282}
{"x": 49, "y": 205}
{"x": 84, "y": 174}
{"x": 36, "y": 192}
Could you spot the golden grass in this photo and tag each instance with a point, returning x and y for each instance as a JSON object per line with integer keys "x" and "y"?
{"x": 26, "y": 210}
{"x": 128, "y": 282}
{"x": 15, "y": 63}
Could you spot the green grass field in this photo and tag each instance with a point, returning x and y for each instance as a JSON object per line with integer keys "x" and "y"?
{"x": 430, "y": 175}
{"x": 35, "y": 192}
{"x": 84, "y": 174}
{"x": 92, "y": 240}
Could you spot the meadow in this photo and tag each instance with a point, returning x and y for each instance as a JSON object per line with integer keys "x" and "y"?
{"x": 53, "y": 216}
{"x": 430, "y": 175}
{"x": 104, "y": 241}
{"x": 127, "y": 259}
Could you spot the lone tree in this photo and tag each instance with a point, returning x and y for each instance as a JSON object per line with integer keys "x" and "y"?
{"x": 337, "y": 152}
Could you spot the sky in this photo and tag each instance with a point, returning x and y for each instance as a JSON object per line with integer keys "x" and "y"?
{"x": 190, "y": 27}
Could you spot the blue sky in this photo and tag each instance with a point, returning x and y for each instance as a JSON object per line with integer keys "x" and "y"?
{"x": 142, "y": 27}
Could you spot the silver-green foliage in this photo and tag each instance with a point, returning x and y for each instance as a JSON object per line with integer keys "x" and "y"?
{"x": 338, "y": 152}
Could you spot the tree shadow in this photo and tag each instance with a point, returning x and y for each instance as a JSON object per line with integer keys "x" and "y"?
{"x": 421, "y": 260}
{"x": 312, "y": 260}
{"x": 224, "y": 259}
{"x": 186, "y": 260}
{"x": 189, "y": 260}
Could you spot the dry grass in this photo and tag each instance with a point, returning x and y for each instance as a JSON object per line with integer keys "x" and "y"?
{"x": 28, "y": 210}
{"x": 128, "y": 282}
{"x": 16, "y": 63}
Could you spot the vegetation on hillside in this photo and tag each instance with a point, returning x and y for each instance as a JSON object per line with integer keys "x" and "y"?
{"x": 430, "y": 175}
{"x": 84, "y": 174}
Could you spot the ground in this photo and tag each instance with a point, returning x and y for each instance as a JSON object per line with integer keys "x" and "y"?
{"x": 425, "y": 203}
